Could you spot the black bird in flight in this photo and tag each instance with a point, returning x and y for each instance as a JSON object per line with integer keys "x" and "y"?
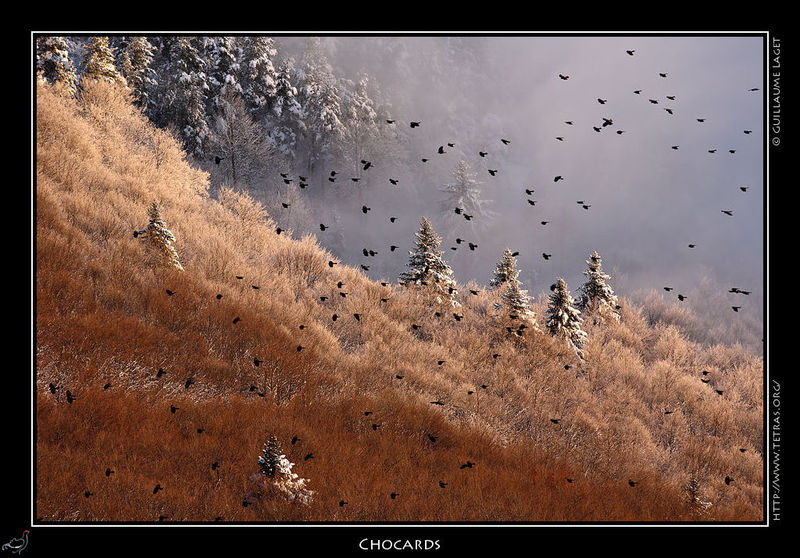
{"x": 712, "y": 150}
{"x": 157, "y": 488}
{"x": 620, "y": 132}
{"x": 562, "y": 76}
{"x": 108, "y": 385}
{"x": 557, "y": 178}
{"x": 705, "y": 380}
{"x": 355, "y": 179}
{"x": 393, "y": 248}
{"x": 467, "y": 465}
{"x": 546, "y": 256}
{"x": 394, "y": 495}
{"x": 630, "y": 52}
{"x": 719, "y": 391}
{"x": 727, "y": 212}
{"x": 364, "y": 209}
{"x": 169, "y": 292}
{"x": 608, "y": 122}
{"x": 671, "y": 97}
{"x": 367, "y": 164}
{"x": 52, "y": 387}
{"x": 681, "y": 297}
{"x": 728, "y": 480}
{"x": 493, "y": 172}
{"x": 390, "y": 121}
{"x": 70, "y": 397}
{"x": 414, "y": 124}
{"x": 393, "y": 181}
{"x": 442, "y": 484}
{"x": 285, "y": 205}
{"x": 662, "y": 75}
{"x": 308, "y": 456}
{"x": 331, "y": 179}
{"x": 736, "y": 308}
{"x": 515, "y": 254}
{"x": 753, "y": 89}
{"x": 357, "y": 317}
{"x": 437, "y": 402}
{"x": 555, "y": 421}
{"x": 692, "y": 245}
{"x": 109, "y": 471}
{"x": 743, "y": 188}
{"x": 602, "y": 101}
{"x": 441, "y": 150}
{"x": 365, "y": 267}
{"x": 529, "y": 191}
{"x": 188, "y": 383}
{"x": 483, "y": 153}
{"x": 432, "y": 438}
{"x": 731, "y": 151}
{"x": 322, "y": 227}
{"x": 669, "y": 110}
{"x": 544, "y": 222}
{"x": 701, "y": 119}
{"x": 675, "y": 147}
{"x": 748, "y": 131}
{"x": 474, "y": 292}
{"x": 472, "y": 246}
{"x": 632, "y": 483}
{"x": 505, "y": 141}
{"x": 569, "y": 122}
{"x": 295, "y": 439}
{"x": 595, "y": 128}
{"x": 653, "y": 101}
{"x": 638, "y": 91}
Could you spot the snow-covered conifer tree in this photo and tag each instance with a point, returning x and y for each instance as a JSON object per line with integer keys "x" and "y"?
{"x": 100, "y": 62}
{"x": 426, "y": 266}
{"x": 160, "y": 237}
{"x": 320, "y": 99}
{"x": 273, "y": 464}
{"x": 222, "y": 59}
{"x": 596, "y": 295}
{"x": 360, "y": 119}
{"x": 464, "y": 194}
{"x": 289, "y": 114}
{"x": 563, "y": 319}
{"x": 53, "y": 63}
{"x": 137, "y": 61}
{"x": 513, "y": 296}
{"x": 505, "y": 270}
{"x": 259, "y": 76}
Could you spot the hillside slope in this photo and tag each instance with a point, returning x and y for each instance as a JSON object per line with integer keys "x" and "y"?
{"x": 635, "y": 409}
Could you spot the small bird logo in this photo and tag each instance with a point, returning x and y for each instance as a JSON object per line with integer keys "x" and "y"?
{"x": 17, "y": 545}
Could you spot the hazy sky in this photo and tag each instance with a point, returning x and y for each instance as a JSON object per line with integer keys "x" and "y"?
{"x": 648, "y": 201}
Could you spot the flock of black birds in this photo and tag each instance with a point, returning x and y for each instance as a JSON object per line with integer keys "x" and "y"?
{"x": 366, "y": 165}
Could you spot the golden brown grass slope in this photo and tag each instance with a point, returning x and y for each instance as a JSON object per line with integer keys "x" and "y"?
{"x": 636, "y": 409}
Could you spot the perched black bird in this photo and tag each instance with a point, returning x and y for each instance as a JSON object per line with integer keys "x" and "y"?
{"x": 484, "y": 386}
{"x": 567, "y": 366}
{"x": 86, "y": 494}
{"x": 245, "y": 503}
{"x": 719, "y": 391}
{"x": 218, "y": 159}
{"x": 201, "y": 430}
{"x": 495, "y": 356}
{"x": 70, "y": 397}
{"x": 474, "y": 292}
{"x": 331, "y": 263}
{"x": 278, "y": 230}
{"x": 458, "y": 317}
{"x": 256, "y": 287}
{"x": 323, "y": 298}
{"x": 285, "y": 205}
{"x": 375, "y": 426}
{"x": 415, "y": 327}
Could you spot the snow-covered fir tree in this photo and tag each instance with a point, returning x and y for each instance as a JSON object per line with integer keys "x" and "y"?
{"x": 160, "y": 237}
{"x": 222, "y": 57}
{"x": 505, "y": 270}
{"x": 183, "y": 92}
{"x": 464, "y": 195}
{"x": 320, "y": 99}
{"x": 259, "y": 76}
{"x": 360, "y": 119}
{"x": 596, "y": 296}
{"x": 53, "y": 63}
{"x": 137, "y": 68}
{"x": 506, "y": 276}
{"x": 426, "y": 266}
{"x": 289, "y": 114}
{"x": 100, "y": 62}
{"x": 563, "y": 319}
{"x": 273, "y": 464}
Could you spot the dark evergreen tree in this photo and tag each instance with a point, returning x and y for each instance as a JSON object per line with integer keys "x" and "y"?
{"x": 53, "y": 63}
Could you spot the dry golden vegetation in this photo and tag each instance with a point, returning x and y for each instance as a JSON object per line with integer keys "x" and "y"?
{"x": 635, "y": 409}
